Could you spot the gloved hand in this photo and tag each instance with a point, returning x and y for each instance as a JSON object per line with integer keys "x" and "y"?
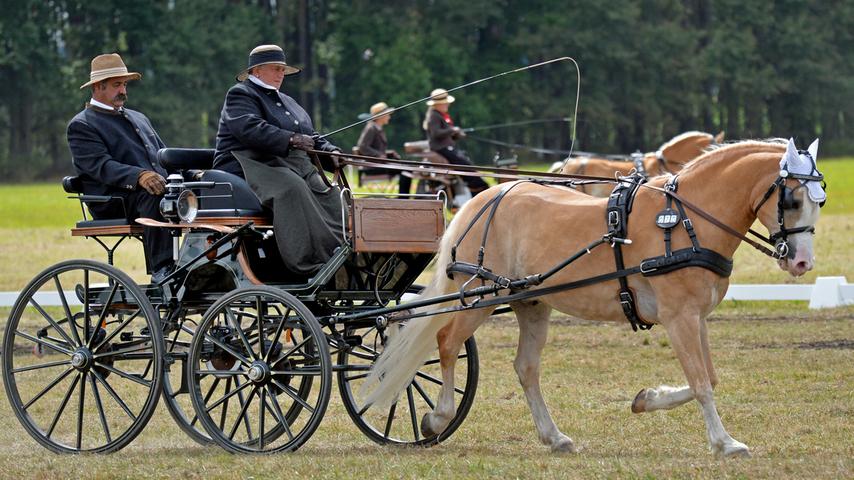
{"x": 458, "y": 133}
{"x": 152, "y": 182}
{"x": 302, "y": 142}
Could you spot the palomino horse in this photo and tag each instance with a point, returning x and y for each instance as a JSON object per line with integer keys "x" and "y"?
{"x": 670, "y": 158}
{"x": 536, "y": 227}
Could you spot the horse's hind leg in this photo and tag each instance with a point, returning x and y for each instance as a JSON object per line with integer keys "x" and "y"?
{"x": 665, "y": 397}
{"x": 686, "y": 337}
{"x": 451, "y": 339}
{"x": 533, "y": 320}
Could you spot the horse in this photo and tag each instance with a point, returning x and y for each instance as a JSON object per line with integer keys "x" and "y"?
{"x": 536, "y": 226}
{"x": 669, "y": 158}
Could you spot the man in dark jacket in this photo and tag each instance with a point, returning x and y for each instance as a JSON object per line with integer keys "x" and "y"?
{"x": 373, "y": 142}
{"x": 114, "y": 150}
{"x": 262, "y": 136}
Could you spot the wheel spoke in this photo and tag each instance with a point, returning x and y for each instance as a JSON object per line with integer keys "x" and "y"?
{"x": 227, "y": 396}
{"x": 100, "y": 407}
{"x": 260, "y": 321}
{"x": 113, "y": 394}
{"x": 292, "y": 350}
{"x": 244, "y": 407}
{"x": 278, "y": 333}
{"x": 224, "y": 411}
{"x": 53, "y": 322}
{"x": 128, "y": 376}
{"x": 289, "y": 391}
{"x": 435, "y": 380}
{"x": 356, "y": 377}
{"x": 389, "y": 420}
{"x": 71, "y": 324}
{"x": 46, "y": 389}
{"x": 236, "y": 325}
{"x": 87, "y": 320}
{"x": 207, "y": 397}
{"x": 44, "y": 343}
{"x": 103, "y": 313}
{"x": 461, "y": 356}
{"x": 117, "y": 330}
{"x": 412, "y": 416}
{"x": 423, "y": 394}
{"x": 261, "y": 404}
{"x": 242, "y": 415}
{"x": 80, "y": 404}
{"x": 123, "y": 351}
{"x": 305, "y": 372}
{"x": 227, "y": 348}
{"x": 242, "y": 373}
{"x": 62, "y": 406}
{"x": 40, "y": 366}
{"x": 278, "y": 413}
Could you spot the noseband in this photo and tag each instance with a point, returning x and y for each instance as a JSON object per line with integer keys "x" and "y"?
{"x": 786, "y": 201}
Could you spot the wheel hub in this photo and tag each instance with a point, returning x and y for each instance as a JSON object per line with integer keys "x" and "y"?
{"x": 259, "y": 372}
{"x": 81, "y": 359}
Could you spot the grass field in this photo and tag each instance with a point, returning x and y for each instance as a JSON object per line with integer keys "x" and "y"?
{"x": 787, "y": 385}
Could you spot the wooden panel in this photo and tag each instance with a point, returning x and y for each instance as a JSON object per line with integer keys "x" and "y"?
{"x": 112, "y": 231}
{"x": 397, "y": 225}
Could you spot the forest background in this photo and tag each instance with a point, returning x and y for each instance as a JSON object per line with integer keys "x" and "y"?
{"x": 650, "y": 69}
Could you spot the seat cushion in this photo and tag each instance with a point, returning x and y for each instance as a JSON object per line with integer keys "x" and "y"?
{"x": 174, "y": 159}
{"x": 222, "y": 201}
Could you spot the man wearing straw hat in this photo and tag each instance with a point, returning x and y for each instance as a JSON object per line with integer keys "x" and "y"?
{"x": 262, "y": 136}
{"x": 114, "y": 150}
{"x": 443, "y": 134}
{"x": 373, "y": 142}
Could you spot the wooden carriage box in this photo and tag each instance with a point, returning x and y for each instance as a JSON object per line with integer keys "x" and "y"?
{"x": 397, "y": 225}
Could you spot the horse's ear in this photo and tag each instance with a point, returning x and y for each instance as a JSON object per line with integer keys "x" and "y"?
{"x": 813, "y": 149}
{"x": 791, "y": 151}
{"x": 719, "y": 137}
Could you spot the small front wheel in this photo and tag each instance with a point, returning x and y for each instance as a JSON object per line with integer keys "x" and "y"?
{"x": 259, "y": 371}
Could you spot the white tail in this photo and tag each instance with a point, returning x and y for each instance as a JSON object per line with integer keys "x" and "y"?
{"x": 408, "y": 347}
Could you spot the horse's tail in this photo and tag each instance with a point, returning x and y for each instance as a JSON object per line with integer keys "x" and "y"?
{"x": 409, "y": 346}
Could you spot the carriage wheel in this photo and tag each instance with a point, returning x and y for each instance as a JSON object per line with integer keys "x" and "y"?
{"x": 176, "y": 387}
{"x": 399, "y": 424}
{"x": 259, "y": 371}
{"x": 83, "y": 376}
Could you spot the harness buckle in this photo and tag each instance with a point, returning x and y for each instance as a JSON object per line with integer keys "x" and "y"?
{"x": 626, "y": 302}
{"x": 613, "y": 218}
{"x": 644, "y": 269}
{"x": 689, "y": 225}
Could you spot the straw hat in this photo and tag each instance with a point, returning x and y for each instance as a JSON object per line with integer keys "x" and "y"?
{"x": 439, "y": 96}
{"x": 379, "y": 108}
{"x": 266, "y": 55}
{"x": 106, "y": 66}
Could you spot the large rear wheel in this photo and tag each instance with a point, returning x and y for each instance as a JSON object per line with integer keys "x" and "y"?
{"x": 399, "y": 424}
{"x": 259, "y": 370}
{"x": 85, "y": 375}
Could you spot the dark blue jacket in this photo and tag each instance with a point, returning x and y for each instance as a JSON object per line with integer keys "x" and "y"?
{"x": 110, "y": 148}
{"x": 262, "y": 120}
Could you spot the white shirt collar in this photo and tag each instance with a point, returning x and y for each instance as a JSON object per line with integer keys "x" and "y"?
{"x": 257, "y": 81}
{"x": 100, "y": 105}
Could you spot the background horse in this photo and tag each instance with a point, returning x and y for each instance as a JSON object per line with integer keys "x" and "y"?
{"x": 670, "y": 158}
{"x": 730, "y": 183}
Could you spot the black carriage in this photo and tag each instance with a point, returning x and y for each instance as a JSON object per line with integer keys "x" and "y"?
{"x": 242, "y": 352}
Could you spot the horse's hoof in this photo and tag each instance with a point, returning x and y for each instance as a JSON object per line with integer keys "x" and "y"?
{"x": 736, "y": 450}
{"x": 639, "y": 403}
{"x": 564, "y": 445}
{"x": 426, "y": 428}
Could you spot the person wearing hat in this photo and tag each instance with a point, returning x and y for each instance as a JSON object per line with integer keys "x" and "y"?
{"x": 262, "y": 137}
{"x": 373, "y": 142}
{"x": 114, "y": 150}
{"x": 442, "y": 135}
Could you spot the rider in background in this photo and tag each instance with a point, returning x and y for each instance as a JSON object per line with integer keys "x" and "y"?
{"x": 114, "y": 150}
{"x": 373, "y": 142}
{"x": 443, "y": 134}
{"x": 262, "y": 136}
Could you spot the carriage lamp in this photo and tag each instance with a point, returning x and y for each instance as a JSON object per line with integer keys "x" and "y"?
{"x": 179, "y": 203}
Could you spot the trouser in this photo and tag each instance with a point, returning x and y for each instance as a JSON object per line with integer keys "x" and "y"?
{"x": 457, "y": 157}
{"x": 156, "y": 242}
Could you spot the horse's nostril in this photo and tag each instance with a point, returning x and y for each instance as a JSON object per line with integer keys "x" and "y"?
{"x": 804, "y": 266}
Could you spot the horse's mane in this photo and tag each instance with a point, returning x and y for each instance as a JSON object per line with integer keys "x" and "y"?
{"x": 714, "y": 152}
{"x": 683, "y": 136}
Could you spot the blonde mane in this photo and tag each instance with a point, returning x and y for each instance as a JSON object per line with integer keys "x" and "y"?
{"x": 683, "y": 136}
{"x": 715, "y": 152}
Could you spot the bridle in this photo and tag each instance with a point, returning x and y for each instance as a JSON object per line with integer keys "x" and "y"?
{"x": 786, "y": 201}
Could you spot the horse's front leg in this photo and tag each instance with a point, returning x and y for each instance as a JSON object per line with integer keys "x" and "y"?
{"x": 533, "y": 320}
{"x": 685, "y": 332}
{"x": 451, "y": 339}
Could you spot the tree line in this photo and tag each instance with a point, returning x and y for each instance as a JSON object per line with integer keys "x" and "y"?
{"x": 650, "y": 69}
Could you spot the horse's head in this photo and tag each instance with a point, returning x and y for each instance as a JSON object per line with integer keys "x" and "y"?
{"x": 799, "y": 194}
{"x": 686, "y": 147}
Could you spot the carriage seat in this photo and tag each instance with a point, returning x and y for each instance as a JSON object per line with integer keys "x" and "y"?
{"x": 230, "y": 203}
{"x": 110, "y": 227}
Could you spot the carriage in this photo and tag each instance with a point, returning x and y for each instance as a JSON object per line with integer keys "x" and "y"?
{"x": 243, "y": 353}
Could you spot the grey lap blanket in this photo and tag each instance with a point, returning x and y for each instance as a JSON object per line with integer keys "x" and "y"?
{"x": 306, "y": 212}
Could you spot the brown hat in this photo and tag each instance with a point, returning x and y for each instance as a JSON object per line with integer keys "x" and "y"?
{"x": 265, "y": 55}
{"x": 106, "y": 66}
{"x": 439, "y": 96}
{"x": 379, "y": 108}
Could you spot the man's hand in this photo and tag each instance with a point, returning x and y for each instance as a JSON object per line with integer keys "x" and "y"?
{"x": 458, "y": 133}
{"x": 152, "y": 182}
{"x": 302, "y": 142}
